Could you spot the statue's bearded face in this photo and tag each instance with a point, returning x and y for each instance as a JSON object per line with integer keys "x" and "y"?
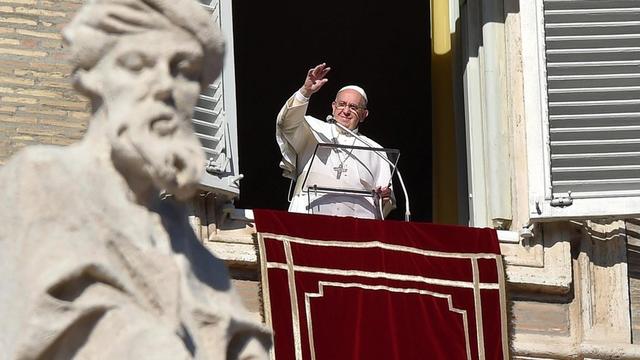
{"x": 149, "y": 83}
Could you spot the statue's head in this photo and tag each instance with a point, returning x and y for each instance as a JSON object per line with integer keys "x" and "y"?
{"x": 143, "y": 63}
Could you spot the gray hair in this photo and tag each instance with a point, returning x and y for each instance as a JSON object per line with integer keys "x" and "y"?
{"x": 99, "y": 24}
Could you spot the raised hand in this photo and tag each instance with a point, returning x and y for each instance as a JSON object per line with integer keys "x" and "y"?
{"x": 315, "y": 79}
{"x": 383, "y": 192}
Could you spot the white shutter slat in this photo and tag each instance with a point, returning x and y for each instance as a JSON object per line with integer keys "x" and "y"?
{"x": 593, "y": 88}
{"x": 208, "y": 123}
{"x": 595, "y": 77}
{"x": 605, "y": 117}
{"x": 596, "y": 90}
{"x": 588, "y": 25}
{"x": 624, "y": 186}
{"x": 600, "y": 130}
{"x": 594, "y": 158}
{"x": 597, "y": 168}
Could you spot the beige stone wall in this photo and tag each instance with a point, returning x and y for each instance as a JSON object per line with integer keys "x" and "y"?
{"x": 541, "y": 315}
{"x": 249, "y": 291}
{"x": 37, "y": 102}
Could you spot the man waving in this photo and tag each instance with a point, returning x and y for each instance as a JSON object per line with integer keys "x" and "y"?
{"x": 298, "y": 134}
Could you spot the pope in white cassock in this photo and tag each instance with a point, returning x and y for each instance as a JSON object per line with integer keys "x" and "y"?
{"x": 362, "y": 170}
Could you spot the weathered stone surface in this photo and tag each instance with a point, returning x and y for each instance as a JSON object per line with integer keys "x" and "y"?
{"x": 592, "y": 320}
{"x": 92, "y": 263}
{"x": 249, "y": 292}
{"x": 541, "y": 317}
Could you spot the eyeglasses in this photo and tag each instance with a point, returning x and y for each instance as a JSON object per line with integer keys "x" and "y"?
{"x": 340, "y": 105}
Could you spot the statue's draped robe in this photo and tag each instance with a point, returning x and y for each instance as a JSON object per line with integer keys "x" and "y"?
{"x": 298, "y": 134}
{"x": 85, "y": 272}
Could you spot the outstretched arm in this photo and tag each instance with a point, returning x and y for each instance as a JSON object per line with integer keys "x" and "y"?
{"x": 291, "y": 133}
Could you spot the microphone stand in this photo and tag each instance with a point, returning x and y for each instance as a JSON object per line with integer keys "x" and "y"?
{"x": 407, "y": 213}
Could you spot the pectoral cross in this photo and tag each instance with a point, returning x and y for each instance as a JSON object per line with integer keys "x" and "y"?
{"x": 339, "y": 170}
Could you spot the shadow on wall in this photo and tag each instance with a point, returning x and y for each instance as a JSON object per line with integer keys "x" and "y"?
{"x": 633, "y": 247}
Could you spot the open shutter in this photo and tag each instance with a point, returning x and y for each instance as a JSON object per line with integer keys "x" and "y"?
{"x": 214, "y": 118}
{"x": 592, "y": 50}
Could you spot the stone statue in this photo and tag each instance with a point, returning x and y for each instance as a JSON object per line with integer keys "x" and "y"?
{"x": 92, "y": 263}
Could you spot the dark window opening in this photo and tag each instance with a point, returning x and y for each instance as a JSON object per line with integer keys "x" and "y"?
{"x": 382, "y": 47}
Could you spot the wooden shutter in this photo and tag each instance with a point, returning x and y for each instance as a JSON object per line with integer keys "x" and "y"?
{"x": 593, "y": 85}
{"x": 214, "y": 118}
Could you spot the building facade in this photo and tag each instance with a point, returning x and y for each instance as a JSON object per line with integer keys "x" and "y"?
{"x": 545, "y": 98}
{"x": 37, "y": 102}
{"x": 537, "y": 117}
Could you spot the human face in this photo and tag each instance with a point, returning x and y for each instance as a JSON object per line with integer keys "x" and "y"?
{"x": 347, "y": 116}
{"x": 149, "y": 84}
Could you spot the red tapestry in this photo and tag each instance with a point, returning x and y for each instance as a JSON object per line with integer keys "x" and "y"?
{"x": 345, "y": 288}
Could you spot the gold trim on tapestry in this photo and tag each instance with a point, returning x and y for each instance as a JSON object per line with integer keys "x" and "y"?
{"x": 378, "y": 244}
{"x": 478, "y": 308}
{"x": 266, "y": 296}
{"x": 503, "y": 310}
{"x": 384, "y": 275}
{"x": 320, "y": 293}
{"x": 293, "y": 297}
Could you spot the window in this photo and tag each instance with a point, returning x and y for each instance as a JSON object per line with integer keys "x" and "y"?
{"x": 581, "y": 70}
{"x": 214, "y": 117}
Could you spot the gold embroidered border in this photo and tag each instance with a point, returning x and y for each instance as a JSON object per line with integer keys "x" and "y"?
{"x": 384, "y": 275}
{"x": 322, "y": 284}
{"x": 293, "y": 297}
{"x": 377, "y": 244}
{"x": 266, "y": 297}
{"x": 503, "y": 309}
{"x": 478, "y": 308}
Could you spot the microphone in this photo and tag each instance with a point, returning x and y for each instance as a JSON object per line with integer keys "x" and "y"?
{"x": 407, "y": 213}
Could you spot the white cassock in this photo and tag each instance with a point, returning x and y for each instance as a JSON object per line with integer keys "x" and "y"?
{"x": 298, "y": 134}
